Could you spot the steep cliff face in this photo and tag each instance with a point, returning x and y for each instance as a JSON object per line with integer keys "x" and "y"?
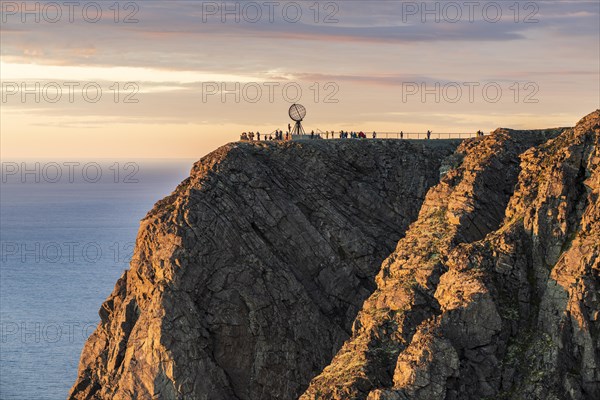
{"x": 245, "y": 281}
{"x": 264, "y": 275}
{"x": 494, "y": 291}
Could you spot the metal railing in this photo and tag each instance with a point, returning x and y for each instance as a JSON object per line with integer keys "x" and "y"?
{"x": 320, "y": 134}
{"x": 401, "y": 135}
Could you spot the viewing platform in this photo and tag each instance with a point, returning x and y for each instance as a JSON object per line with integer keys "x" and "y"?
{"x": 320, "y": 135}
{"x": 387, "y": 135}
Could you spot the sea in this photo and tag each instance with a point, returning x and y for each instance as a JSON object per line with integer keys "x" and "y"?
{"x": 67, "y": 231}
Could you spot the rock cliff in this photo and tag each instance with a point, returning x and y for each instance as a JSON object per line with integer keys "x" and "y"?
{"x": 494, "y": 291}
{"x": 245, "y": 281}
{"x": 379, "y": 270}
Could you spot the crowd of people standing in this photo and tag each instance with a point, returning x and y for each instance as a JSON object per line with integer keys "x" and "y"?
{"x": 279, "y": 135}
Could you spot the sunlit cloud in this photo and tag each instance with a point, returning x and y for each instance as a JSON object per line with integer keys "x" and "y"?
{"x": 25, "y": 72}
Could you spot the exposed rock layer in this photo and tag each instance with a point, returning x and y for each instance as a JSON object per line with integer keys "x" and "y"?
{"x": 246, "y": 280}
{"x": 494, "y": 291}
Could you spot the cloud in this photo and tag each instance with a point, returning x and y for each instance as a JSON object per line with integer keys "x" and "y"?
{"x": 32, "y": 72}
{"x": 182, "y": 30}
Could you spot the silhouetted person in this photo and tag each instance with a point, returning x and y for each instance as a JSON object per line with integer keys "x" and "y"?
{"x": 428, "y": 135}
{"x": 401, "y": 135}
{"x": 374, "y": 135}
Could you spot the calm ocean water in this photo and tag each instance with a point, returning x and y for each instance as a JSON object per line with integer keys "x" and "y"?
{"x": 63, "y": 246}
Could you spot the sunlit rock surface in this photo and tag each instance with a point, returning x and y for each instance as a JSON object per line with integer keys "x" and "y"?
{"x": 246, "y": 280}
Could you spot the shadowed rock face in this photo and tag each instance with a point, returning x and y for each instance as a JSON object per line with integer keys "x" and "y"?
{"x": 494, "y": 292}
{"x": 245, "y": 281}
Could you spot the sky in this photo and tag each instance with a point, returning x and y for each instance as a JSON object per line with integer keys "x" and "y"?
{"x": 177, "y": 79}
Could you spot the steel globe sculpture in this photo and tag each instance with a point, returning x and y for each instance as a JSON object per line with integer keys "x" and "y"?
{"x": 297, "y": 113}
